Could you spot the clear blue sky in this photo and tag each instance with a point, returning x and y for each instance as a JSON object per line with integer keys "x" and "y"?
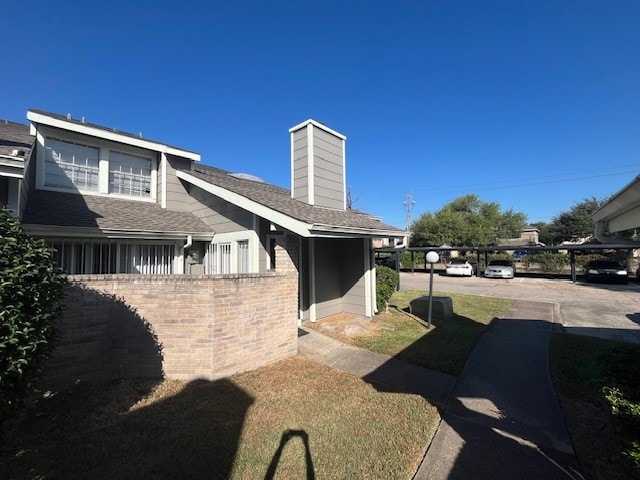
{"x": 531, "y": 104}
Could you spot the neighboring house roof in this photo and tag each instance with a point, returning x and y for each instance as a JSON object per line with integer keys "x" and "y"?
{"x": 106, "y": 214}
{"x": 15, "y": 136}
{"x": 275, "y": 204}
{"x": 80, "y": 126}
{"x": 15, "y": 147}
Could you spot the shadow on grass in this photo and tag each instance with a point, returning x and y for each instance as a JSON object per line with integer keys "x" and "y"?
{"x": 192, "y": 434}
{"x": 287, "y": 435}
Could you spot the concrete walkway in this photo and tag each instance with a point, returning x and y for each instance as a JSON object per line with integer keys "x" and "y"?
{"x": 375, "y": 368}
{"x": 501, "y": 420}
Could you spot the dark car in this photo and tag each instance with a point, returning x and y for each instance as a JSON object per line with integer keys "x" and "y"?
{"x": 605, "y": 271}
{"x": 389, "y": 261}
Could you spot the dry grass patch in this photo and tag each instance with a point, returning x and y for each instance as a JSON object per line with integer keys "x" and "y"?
{"x": 444, "y": 348}
{"x": 282, "y": 421}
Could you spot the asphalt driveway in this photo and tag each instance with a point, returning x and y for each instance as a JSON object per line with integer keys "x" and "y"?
{"x": 599, "y": 310}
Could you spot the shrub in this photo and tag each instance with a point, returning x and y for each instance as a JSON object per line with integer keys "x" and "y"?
{"x": 30, "y": 305}
{"x": 548, "y": 262}
{"x": 418, "y": 259}
{"x": 386, "y": 283}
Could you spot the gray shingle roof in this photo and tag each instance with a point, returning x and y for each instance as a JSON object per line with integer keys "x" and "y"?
{"x": 15, "y": 136}
{"x": 88, "y": 211}
{"x": 279, "y": 199}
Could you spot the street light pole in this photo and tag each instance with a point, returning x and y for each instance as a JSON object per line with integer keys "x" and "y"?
{"x": 432, "y": 257}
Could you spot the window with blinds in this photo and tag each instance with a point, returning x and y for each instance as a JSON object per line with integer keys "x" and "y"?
{"x": 129, "y": 175}
{"x": 76, "y": 256}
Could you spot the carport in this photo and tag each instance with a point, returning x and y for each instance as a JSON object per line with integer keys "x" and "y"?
{"x": 478, "y": 251}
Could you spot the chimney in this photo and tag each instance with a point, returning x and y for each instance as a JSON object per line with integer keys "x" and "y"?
{"x": 318, "y": 165}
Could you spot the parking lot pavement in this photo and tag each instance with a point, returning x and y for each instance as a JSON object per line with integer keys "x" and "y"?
{"x": 600, "y": 310}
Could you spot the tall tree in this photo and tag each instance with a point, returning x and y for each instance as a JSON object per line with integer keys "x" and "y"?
{"x": 466, "y": 221}
{"x": 575, "y": 222}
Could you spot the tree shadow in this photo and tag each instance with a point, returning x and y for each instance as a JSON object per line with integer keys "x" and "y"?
{"x": 502, "y": 419}
{"x": 101, "y": 338}
{"x": 192, "y": 433}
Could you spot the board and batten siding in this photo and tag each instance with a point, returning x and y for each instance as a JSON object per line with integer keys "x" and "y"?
{"x": 354, "y": 286}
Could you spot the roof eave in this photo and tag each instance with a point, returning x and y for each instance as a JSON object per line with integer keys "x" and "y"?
{"x": 40, "y": 118}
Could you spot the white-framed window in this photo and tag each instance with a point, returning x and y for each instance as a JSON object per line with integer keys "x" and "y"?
{"x": 232, "y": 253}
{"x": 243, "y": 256}
{"x": 100, "y": 168}
{"x": 129, "y": 174}
{"x": 71, "y": 165}
{"x": 86, "y": 256}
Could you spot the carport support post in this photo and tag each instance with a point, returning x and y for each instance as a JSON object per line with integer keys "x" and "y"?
{"x": 412, "y": 261}
{"x": 477, "y": 263}
{"x": 573, "y": 266}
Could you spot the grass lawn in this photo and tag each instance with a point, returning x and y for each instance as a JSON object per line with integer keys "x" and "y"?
{"x": 444, "y": 348}
{"x": 582, "y": 369}
{"x": 294, "y": 419}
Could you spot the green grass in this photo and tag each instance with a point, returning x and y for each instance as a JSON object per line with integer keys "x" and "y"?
{"x": 606, "y": 439}
{"x": 447, "y": 345}
{"x": 293, "y": 419}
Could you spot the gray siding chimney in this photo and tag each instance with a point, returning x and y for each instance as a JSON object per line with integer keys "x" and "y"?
{"x": 318, "y": 165}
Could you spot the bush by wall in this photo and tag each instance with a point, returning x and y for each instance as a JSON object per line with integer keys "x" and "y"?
{"x": 30, "y": 306}
{"x": 547, "y": 262}
{"x": 386, "y": 283}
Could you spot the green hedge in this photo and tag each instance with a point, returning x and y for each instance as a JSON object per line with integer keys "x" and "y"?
{"x": 30, "y": 306}
{"x": 386, "y": 283}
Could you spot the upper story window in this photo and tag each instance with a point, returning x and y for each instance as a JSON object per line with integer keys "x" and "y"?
{"x": 129, "y": 174}
{"x": 71, "y": 165}
{"x": 103, "y": 169}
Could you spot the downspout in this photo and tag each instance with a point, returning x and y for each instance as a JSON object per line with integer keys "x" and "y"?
{"x": 184, "y": 251}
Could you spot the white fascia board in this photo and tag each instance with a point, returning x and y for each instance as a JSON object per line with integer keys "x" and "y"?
{"x": 318, "y": 125}
{"x": 333, "y": 230}
{"x": 625, "y": 199}
{"x": 291, "y": 224}
{"x": 108, "y": 135}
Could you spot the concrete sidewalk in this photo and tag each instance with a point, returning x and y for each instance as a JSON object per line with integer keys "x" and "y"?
{"x": 504, "y": 420}
{"x": 501, "y": 420}
{"x": 379, "y": 369}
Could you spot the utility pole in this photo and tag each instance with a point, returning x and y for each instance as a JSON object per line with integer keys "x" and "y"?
{"x": 408, "y": 206}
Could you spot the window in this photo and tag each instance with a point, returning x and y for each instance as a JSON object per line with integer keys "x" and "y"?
{"x": 77, "y": 256}
{"x": 71, "y": 165}
{"x": 129, "y": 175}
{"x": 243, "y": 256}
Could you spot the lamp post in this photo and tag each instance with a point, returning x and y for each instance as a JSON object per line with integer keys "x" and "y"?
{"x": 432, "y": 257}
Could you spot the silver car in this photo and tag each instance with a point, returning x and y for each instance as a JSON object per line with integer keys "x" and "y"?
{"x": 500, "y": 269}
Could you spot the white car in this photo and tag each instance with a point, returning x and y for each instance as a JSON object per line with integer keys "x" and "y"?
{"x": 500, "y": 269}
{"x": 459, "y": 266}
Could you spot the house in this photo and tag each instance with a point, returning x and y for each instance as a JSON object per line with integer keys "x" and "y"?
{"x": 147, "y": 225}
{"x": 527, "y": 237}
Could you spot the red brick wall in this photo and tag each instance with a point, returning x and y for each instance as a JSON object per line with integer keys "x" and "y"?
{"x": 182, "y": 327}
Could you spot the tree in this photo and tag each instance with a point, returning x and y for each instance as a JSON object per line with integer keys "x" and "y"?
{"x": 30, "y": 306}
{"x": 576, "y": 222}
{"x": 544, "y": 232}
{"x": 466, "y": 221}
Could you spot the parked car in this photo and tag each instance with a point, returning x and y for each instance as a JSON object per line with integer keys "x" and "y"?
{"x": 389, "y": 261}
{"x": 605, "y": 271}
{"x": 500, "y": 269}
{"x": 459, "y": 266}
{"x": 518, "y": 255}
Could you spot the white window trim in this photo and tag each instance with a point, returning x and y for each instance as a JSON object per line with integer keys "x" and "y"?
{"x": 233, "y": 238}
{"x": 104, "y": 147}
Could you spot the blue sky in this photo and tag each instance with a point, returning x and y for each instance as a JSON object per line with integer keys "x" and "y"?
{"x": 534, "y": 105}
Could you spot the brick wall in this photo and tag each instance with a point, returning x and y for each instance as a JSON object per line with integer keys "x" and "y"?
{"x": 182, "y": 327}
